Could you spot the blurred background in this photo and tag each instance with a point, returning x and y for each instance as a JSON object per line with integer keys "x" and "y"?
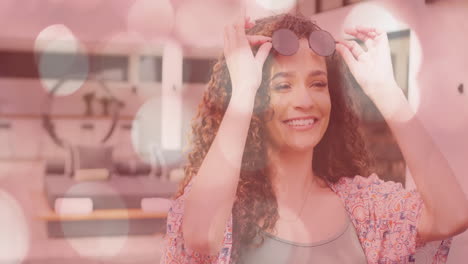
{"x": 96, "y": 99}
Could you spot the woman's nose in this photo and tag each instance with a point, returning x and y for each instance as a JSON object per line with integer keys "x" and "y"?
{"x": 303, "y": 98}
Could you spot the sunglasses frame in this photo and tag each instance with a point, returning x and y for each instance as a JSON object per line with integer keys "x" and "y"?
{"x": 308, "y": 40}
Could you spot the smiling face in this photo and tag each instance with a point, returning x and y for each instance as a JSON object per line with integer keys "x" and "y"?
{"x": 300, "y": 99}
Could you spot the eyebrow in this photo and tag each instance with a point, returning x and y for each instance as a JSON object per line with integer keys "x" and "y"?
{"x": 288, "y": 74}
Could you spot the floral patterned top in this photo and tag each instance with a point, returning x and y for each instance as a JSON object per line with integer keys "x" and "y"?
{"x": 384, "y": 214}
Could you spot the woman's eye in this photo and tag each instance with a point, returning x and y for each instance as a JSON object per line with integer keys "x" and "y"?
{"x": 320, "y": 84}
{"x": 281, "y": 86}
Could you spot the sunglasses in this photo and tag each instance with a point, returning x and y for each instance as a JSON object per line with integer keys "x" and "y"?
{"x": 286, "y": 43}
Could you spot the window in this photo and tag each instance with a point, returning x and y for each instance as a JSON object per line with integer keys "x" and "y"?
{"x": 196, "y": 70}
{"x": 54, "y": 65}
{"x": 150, "y": 68}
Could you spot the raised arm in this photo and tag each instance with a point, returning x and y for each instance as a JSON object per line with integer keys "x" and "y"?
{"x": 445, "y": 211}
{"x": 209, "y": 203}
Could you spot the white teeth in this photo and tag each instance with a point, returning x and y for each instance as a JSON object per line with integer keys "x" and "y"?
{"x": 301, "y": 122}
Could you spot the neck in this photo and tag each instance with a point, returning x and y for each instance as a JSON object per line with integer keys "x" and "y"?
{"x": 292, "y": 174}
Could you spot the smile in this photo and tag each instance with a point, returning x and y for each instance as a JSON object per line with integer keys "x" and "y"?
{"x": 301, "y": 124}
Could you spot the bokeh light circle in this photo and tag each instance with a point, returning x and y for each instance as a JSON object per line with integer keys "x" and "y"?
{"x": 276, "y": 5}
{"x": 101, "y": 246}
{"x": 59, "y": 37}
{"x": 61, "y": 56}
{"x": 14, "y": 230}
{"x": 373, "y": 14}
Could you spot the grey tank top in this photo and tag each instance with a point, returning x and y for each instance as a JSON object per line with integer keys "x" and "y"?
{"x": 343, "y": 248}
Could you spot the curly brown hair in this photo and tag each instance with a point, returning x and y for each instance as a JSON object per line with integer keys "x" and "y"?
{"x": 340, "y": 153}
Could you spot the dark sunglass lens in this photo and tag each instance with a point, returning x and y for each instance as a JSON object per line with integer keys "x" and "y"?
{"x": 285, "y": 42}
{"x": 322, "y": 43}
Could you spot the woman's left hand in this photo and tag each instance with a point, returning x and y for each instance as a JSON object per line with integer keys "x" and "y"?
{"x": 372, "y": 69}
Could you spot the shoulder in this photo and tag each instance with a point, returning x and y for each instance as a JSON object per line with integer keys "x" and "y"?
{"x": 358, "y": 185}
{"x": 374, "y": 196}
{"x": 369, "y": 185}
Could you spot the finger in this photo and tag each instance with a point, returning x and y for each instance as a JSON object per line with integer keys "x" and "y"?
{"x": 242, "y": 19}
{"x": 350, "y": 31}
{"x": 370, "y": 31}
{"x": 365, "y": 37}
{"x": 354, "y": 48}
{"x": 240, "y": 24}
{"x": 232, "y": 37}
{"x": 257, "y": 39}
{"x": 249, "y": 23}
{"x": 379, "y": 31}
{"x": 364, "y": 29}
{"x": 346, "y": 54}
{"x": 357, "y": 34}
{"x": 372, "y": 34}
{"x": 240, "y": 31}
{"x": 263, "y": 52}
{"x": 369, "y": 34}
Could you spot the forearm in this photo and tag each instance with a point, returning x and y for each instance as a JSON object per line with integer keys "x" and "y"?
{"x": 434, "y": 179}
{"x": 209, "y": 203}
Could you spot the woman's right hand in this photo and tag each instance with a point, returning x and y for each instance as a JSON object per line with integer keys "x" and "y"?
{"x": 245, "y": 70}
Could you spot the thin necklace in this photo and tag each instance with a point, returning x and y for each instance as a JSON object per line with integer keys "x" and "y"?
{"x": 302, "y": 207}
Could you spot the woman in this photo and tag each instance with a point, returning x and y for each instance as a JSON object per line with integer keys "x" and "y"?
{"x": 274, "y": 175}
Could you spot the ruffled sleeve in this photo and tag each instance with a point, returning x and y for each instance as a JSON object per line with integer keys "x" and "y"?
{"x": 174, "y": 251}
{"x": 394, "y": 214}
